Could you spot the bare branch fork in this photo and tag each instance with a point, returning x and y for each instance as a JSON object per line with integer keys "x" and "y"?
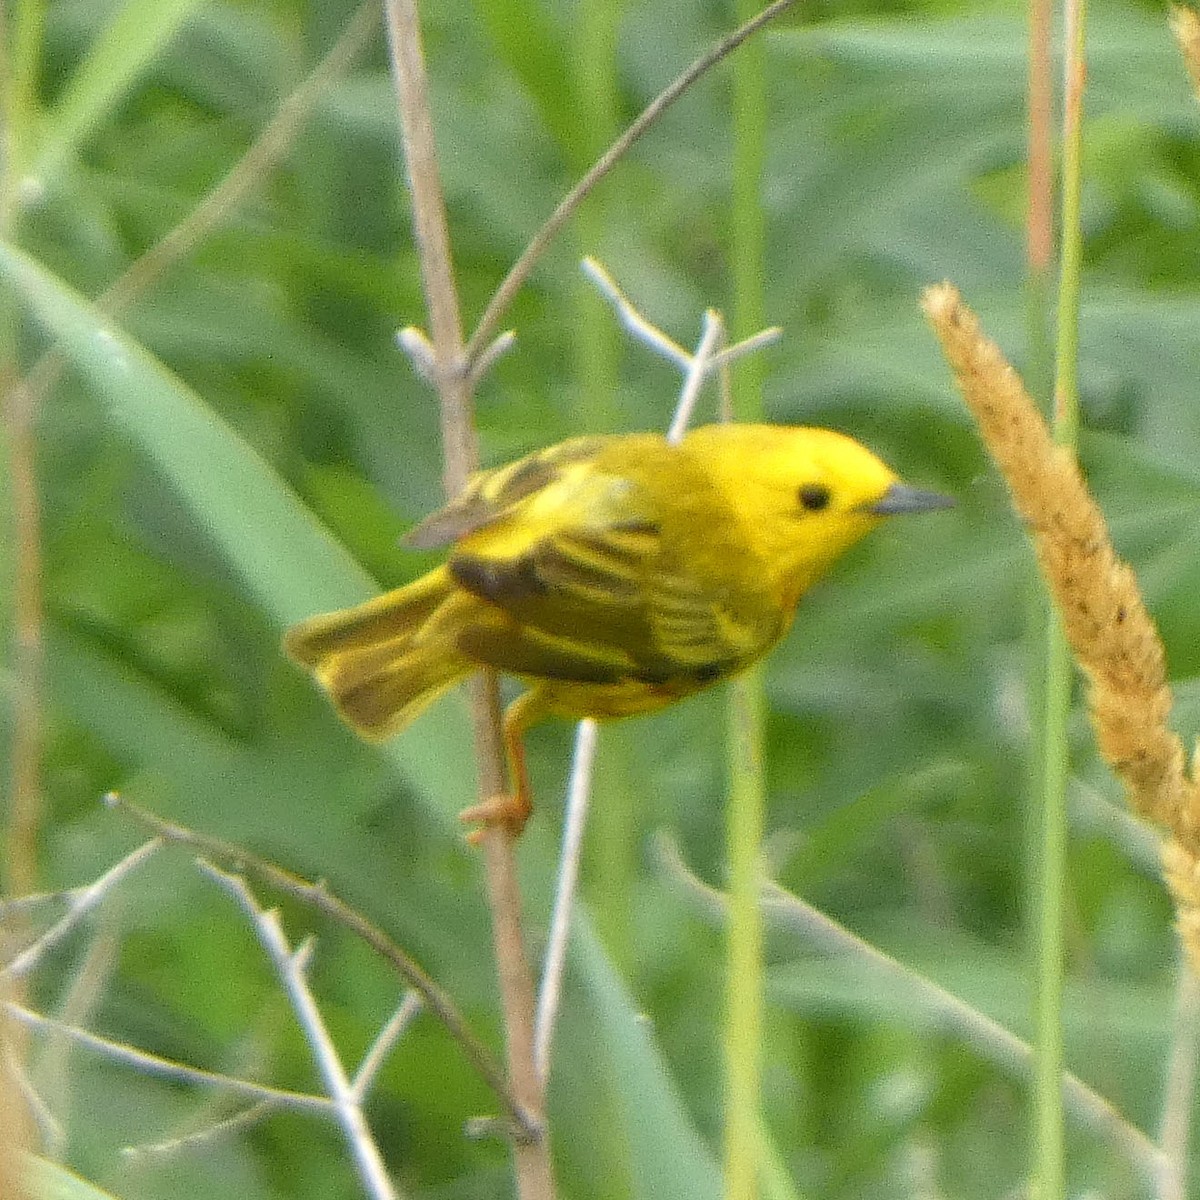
{"x": 81, "y": 902}
{"x": 346, "y": 1094}
{"x": 317, "y": 895}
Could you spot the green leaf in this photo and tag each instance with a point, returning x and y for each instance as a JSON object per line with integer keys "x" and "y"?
{"x": 667, "y": 1158}
{"x": 284, "y": 557}
{"x": 136, "y": 33}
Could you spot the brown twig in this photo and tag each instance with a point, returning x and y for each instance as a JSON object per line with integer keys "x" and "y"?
{"x": 531, "y": 1157}
{"x": 318, "y": 896}
{"x": 14, "y": 1108}
{"x": 523, "y": 267}
{"x": 25, "y": 745}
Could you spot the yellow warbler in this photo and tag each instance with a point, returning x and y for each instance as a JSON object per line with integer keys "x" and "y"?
{"x": 614, "y": 575}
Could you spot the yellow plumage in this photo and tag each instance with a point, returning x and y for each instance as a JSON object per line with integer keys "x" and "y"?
{"x": 614, "y": 575}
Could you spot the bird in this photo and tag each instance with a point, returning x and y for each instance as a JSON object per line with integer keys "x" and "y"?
{"x": 613, "y": 575}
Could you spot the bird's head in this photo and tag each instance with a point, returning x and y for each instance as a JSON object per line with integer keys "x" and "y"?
{"x": 806, "y": 495}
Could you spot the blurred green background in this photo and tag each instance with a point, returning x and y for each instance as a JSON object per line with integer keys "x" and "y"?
{"x": 196, "y": 452}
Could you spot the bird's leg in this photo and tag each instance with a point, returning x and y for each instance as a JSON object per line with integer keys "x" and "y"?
{"x": 511, "y": 809}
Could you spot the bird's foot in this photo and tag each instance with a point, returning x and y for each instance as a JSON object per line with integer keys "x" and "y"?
{"x": 507, "y": 812}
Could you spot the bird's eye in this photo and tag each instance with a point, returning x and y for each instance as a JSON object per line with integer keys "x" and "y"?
{"x": 814, "y": 497}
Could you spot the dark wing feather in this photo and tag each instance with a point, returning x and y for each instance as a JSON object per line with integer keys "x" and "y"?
{"x": 601, "y": 604}
{"x": 489, "y": 495}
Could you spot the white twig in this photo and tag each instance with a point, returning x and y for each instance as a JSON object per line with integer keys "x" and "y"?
{"x": 698, "y": 369}
{"x": 199, "y": 1138}
{"x": 633, "y": 320}
{"x": 503, "y": 343}
{"x": 49, "y": 1126}
{"x": 708, "y": 359}
{"x": 290, "y": 965}
{"x": 757, "y": 341}
{"x": 578, "y": 795}
{"x": 80, "y": 902}
{"x": 152, "y": 1064}
{"x": 381, "y": 1047}
{"x": 419, "y": 349}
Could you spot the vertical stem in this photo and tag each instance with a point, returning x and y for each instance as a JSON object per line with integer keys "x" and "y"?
{"x": 1039, "y": 223}
{"x": 1066, "y": 385}
{"x": 744, "y": 972}
{"x": 1050, "y": 1158}
{"x": 531, "y": 1160}
{"x": 1048, "y": 675}
{"x": 25, "y": 744}
{"x": 20, "y": 51}
{"x": 747, "y": 706}
{"x": 1180, "y": 1087}
{"x": 1049, "y": 1169}
{"x": 612, "y": 849}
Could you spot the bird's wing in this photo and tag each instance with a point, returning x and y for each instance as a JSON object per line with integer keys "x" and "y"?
{"x": 489, "y": 496}
{"x": 595, "y": 596}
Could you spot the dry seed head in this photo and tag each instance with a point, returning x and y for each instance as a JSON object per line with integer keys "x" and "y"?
{"x": 1185, "y": 25}
{"x": 1106, "y": 622}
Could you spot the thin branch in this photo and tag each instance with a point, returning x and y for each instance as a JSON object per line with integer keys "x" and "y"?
{"x": 500, "y": 346}
{"x": 263, "y": 154}
{"x": 632, "y": 320}
{"x": 18, "y": 407}
{"x": 661, "y": 343}
{"x": 372, "y": 1170}
{"x": 433, "y": 242}
{"x": 382, "y": 1046}
{"x": 698, "y": 369}
{"x": 750, "y": 345}
{"x": 531, "y": 1153}
{"x": 49, "y": 1127}
{"x": 987, "y": 1037}
{"x": 200, "y": 1138}
{"x": 51, "y": 1072}
{"x": 80, "y": 902}
{"x": 578, "y": 795}
{"x": 523, "y": 267}
{"x": 318, "y": 896}
{"x": 165, "y": 1068}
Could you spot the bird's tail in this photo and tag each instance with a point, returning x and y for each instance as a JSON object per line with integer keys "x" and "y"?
{"x": 384, "y": 661}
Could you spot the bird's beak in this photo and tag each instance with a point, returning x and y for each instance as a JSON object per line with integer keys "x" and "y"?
{"x": 900, "y": 498}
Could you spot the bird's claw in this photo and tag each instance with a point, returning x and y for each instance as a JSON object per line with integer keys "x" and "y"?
{"x": 508, "y": 812}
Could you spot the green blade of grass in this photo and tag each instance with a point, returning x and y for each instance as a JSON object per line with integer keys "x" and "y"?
{"x": 668, "y": 1159}
{"x": 284, "y": 557}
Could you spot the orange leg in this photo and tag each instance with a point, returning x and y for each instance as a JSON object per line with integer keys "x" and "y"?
{"x": 513, "y": 809}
